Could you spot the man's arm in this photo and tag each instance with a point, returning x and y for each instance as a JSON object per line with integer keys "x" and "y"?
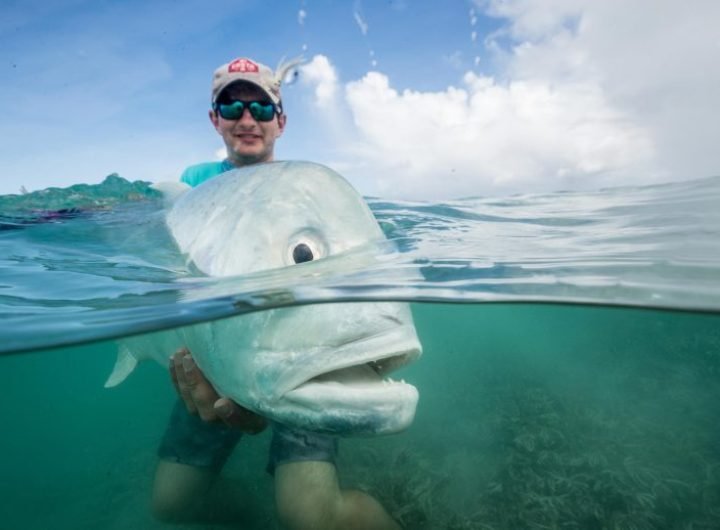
{"x": 201, "y": 398}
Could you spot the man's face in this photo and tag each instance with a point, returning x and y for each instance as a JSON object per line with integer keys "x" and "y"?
{"x": 248, "y": 141}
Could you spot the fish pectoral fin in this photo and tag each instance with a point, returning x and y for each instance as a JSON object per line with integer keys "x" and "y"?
{"x": 124, "y": 365}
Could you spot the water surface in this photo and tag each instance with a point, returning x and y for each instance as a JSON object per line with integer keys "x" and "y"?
{"x": 110, "y": 268}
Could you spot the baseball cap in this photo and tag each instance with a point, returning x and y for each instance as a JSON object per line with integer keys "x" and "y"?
{"x": 244, "y": 69}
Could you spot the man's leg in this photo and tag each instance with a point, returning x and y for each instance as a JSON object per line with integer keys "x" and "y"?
{"x": 188, "y": 494}
{"x": 187, "y": 486}
{"x": 179, "y": 490}
{"x": 309, "y": 497}
{"x": 307, "y": 492}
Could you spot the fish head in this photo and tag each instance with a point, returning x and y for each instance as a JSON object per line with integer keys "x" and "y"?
{"x": 321, "y": 367}
{"x": 269, "y": 216}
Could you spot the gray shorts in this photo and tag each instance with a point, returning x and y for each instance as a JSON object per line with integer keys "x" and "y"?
{"x": 191, "y": 441}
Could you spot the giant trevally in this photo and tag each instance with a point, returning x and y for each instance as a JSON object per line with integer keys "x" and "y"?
{"x": 321, "y": 367}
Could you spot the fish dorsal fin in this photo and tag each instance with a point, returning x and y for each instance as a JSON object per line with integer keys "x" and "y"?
{"x": 124, "y": 365}
{"x": 171, "y": 190}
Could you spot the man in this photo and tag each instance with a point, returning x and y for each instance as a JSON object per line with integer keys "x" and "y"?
{"x": 247, "y": 112}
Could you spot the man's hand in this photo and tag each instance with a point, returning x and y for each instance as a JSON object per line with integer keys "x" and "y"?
{"x": 201, "y": 398}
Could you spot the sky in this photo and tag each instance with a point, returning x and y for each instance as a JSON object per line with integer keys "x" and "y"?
{"x": 417, "y": 100}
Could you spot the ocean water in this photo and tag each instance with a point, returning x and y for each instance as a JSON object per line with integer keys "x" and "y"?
{"x": 570, "y": 375}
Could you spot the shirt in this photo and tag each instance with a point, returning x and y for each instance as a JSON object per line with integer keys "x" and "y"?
{"x": 199, "y": 173}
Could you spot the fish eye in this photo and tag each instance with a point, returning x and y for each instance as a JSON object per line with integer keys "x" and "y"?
{"x": 302, "y": 253}
{"x": 307, "y": 244}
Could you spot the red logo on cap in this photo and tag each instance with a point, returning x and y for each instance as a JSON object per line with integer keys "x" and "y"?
{"x": 243, "y": 66}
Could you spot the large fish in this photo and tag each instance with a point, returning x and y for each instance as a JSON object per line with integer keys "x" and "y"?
{"x": 321, "y": 367}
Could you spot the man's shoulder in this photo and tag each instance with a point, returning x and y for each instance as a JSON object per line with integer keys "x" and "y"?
{"x": 199, "y": 173}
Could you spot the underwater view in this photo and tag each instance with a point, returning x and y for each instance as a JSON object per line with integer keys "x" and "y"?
{"x": 570, "y": 375}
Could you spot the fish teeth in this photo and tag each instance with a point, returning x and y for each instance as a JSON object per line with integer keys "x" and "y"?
{"x": 391, "y": 381}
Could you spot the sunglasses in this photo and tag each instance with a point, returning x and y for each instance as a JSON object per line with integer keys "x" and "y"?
{"x": 259, "y": 110}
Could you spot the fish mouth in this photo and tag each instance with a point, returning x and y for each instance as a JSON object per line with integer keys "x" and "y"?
{"x": 362, "y": 363}
{"x": 346, "y": 390}
{"x": 357, "y": 399}
{"x": 369, "y": 373}
{"x": 343, "y": 387}
{"x": 362, "y": 384}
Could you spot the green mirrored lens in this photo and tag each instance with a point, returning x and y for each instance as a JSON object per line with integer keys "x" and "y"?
{"x": 258, "y": 110}
{"x": 231, "y": 111}
{"x": 261, "y": 111}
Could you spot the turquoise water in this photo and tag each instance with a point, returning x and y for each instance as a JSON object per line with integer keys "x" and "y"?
{"x": 110, "y": 268}
{"x": 571, "y": 374}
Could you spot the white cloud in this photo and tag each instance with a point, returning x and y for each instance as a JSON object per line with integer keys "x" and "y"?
{"x": 536, "y": 19}
{"x": 584, "y": 94}
{"x": 322, "y": 77}
{"x": 489, "y": 138}
{"x": 359, "y": 19}
{"x": 656, "y": 61}
{"x": 483, "y": 137}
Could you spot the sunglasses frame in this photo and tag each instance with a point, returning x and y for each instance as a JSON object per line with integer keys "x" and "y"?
{"x": 249, "y": 105}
